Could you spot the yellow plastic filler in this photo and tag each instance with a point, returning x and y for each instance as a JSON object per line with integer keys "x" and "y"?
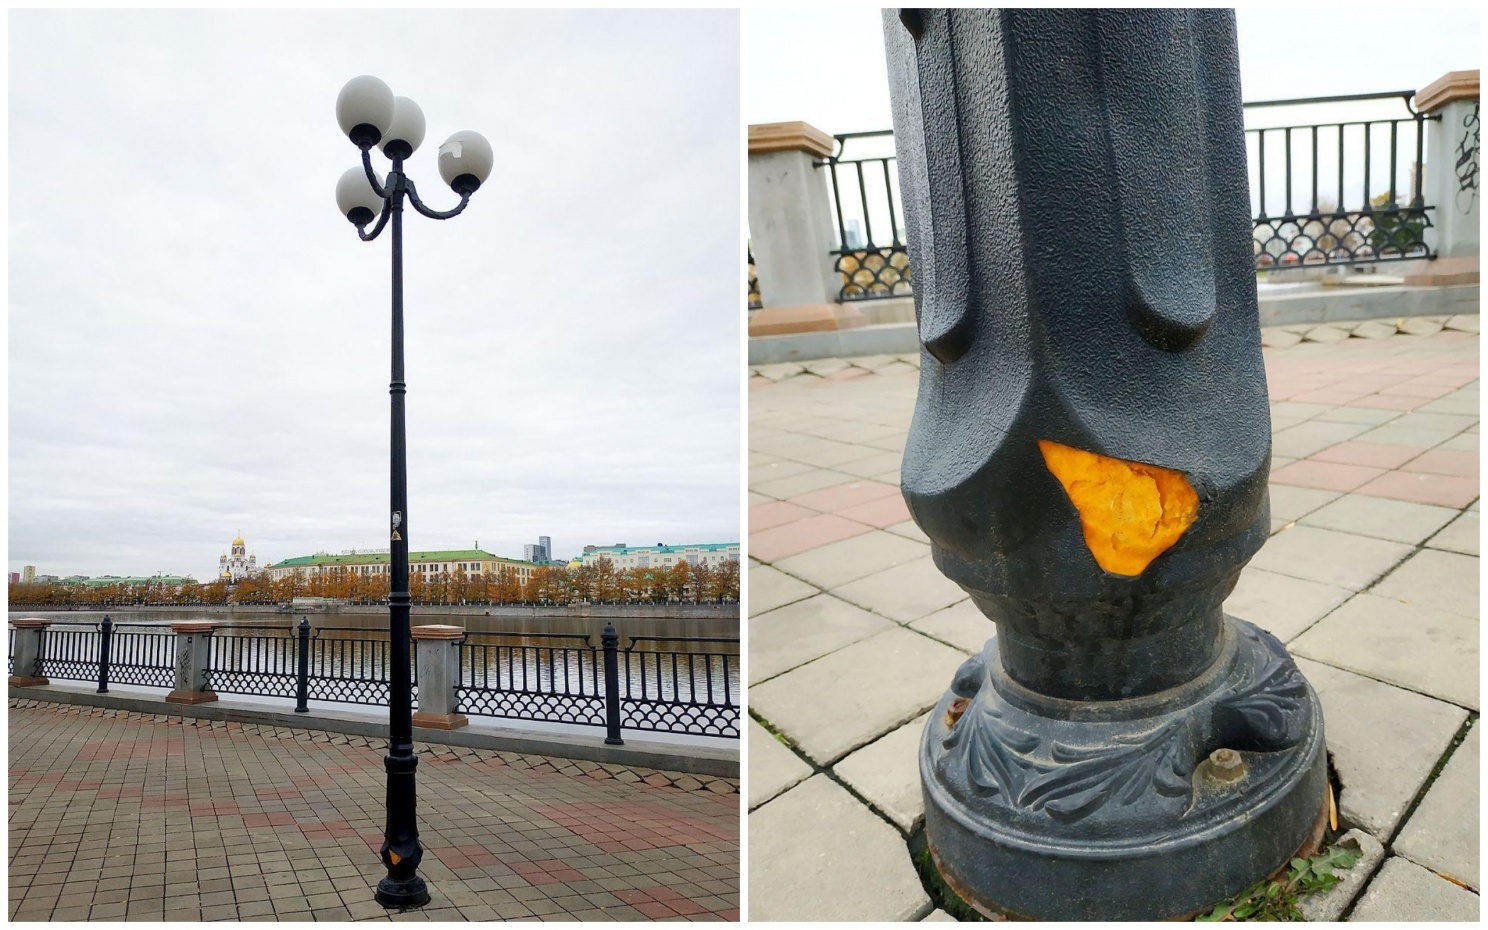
{"x": 1130, "y": 512}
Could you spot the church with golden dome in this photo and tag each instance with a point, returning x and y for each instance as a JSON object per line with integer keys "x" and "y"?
{"x": 241, "y": 564}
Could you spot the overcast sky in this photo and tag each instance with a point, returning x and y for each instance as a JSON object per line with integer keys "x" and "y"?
{"x": 199, "y": 343}
{"x": 826, "y": 67}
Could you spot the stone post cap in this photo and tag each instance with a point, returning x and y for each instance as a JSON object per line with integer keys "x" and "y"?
{"x": 30, "y": 623}
{"x": 193, "y": 626}
{"x": 1452, "y": 86}
{"x": 439, "y": 631}
{"x": 790, "y": 137}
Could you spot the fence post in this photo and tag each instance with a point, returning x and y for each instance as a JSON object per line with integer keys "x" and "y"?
{"x": 193, "y": 656}
{"x": 791, "y": 233}
{"x": 302, "y": 675}
{"x": 105, "y": 645}
{"x": 1452, "y": 175}
{"x": 438, "y": 649}
{"x": 29, "y": 632}
{"x": 611, "y": 641}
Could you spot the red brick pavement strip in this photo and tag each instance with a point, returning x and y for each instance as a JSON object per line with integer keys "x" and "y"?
{"x": 116, "y": 815}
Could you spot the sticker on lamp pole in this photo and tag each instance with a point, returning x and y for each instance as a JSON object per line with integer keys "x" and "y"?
{"x": 397, "y": 522}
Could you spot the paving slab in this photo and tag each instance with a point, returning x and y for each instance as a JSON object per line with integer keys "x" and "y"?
{"x": 1381, "y": 518}
{"x": 1371, "y": 415}
{"x": 1312, "y": 436}
{"x": 1330, "y": 905}
{"x": 813, "y": 479}
{"x": 851, "y": 697}
{"x": 1431, "y": 578}
{"x": 905, "y": 592}
{"x": 961, "y": 625}
{"x": 773, "y": 768}
{"x": 1442, "y": 834}
{"x": 769, "y": 588}
{"x": 1384, "y": 742}
{"x": 909, "y": 530}
{"x": 1403, "y": 891}
{"x": 1290, "y": 503}
{"x": 837, "y": 563}
{"x": 1393, "y": 434}
{"x": 1461, "y": 535}
{"x": 1418, "y": 648}
{"x": 1343, "y": 560}
{"x": 818, "y": 854}
{"x": 887, "y": 774}
{"x": 1281, "y": 604}
{"x": 797, "y": 633}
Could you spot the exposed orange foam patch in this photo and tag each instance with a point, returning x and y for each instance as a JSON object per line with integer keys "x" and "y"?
{"x": 1130, "y": 512}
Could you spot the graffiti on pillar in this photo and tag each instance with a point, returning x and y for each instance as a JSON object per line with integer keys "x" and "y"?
{"x": 1467, "y": 163}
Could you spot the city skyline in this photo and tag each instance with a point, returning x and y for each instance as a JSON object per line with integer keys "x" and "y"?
{"x": 199, "y": 342}
{"x": 266, "y": 562}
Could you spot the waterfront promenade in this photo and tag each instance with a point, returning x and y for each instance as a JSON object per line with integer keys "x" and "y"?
{"x": 1370, "y": 577}
{"x": 123, "y": 815}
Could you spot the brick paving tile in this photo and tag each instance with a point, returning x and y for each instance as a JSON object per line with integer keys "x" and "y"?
{"x": 1421, "y": 488}
{"x": 136, "y": 816}
{"x": 1325, "y": 476}
{"x": 1373, "y": 455}
{"x": 792, "y": 538}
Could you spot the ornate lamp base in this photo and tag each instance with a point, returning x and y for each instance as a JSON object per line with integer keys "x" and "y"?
{"x": 1050, "y": 809}
{"x": 408, "y": 892}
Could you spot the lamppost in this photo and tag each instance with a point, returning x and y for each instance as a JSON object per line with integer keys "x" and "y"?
{"x": 369, "y": 114}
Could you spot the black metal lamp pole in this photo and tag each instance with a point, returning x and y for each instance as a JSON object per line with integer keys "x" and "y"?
{"x": 369, "y": 113}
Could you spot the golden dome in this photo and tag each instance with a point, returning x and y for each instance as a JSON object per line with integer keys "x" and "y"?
{"x": 238, "y": 541}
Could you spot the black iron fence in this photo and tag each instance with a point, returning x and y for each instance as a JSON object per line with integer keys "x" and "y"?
{"x": 691, "y": 689}
{"x": 567, "y": 679}
{"x": 557, "y": 680}
{"x": 865, "y": 189}
{"x": 1334, "y": 192}
{"x": 686, "y": 692}
{"x": 1350, "y": 191}
{"x": 266, "y": 661}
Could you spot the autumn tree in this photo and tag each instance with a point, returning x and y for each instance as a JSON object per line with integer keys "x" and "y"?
{"x": 507, "y": 589}
{"x": 606, "y": 580}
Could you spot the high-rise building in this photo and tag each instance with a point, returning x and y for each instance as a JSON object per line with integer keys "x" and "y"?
{"x": 541, "y": 552}
{"x": 15, "y": 577}
{"x": 28, "y": 574}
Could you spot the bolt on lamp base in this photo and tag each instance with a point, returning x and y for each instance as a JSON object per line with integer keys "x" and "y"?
{"x": 407, "y": 892}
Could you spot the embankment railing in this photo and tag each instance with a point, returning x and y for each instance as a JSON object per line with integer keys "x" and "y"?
{"x": 690, "y": 688}
{"x": 1332, "y": 192}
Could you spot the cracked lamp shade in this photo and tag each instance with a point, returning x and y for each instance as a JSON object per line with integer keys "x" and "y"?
{"x": 465, "y": 161}
{"x": 356, "y": 198}
{"x": 365, "y": 101}
{"x": 407, "y": 127}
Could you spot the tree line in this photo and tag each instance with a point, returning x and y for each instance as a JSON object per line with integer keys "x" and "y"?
{"x": 549, "y": 585}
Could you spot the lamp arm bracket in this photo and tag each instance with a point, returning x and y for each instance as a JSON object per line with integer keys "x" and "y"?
{"x": 387, "y": 209}
{"x": 377, "y": 188}
{"x": 433, "y": 214}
